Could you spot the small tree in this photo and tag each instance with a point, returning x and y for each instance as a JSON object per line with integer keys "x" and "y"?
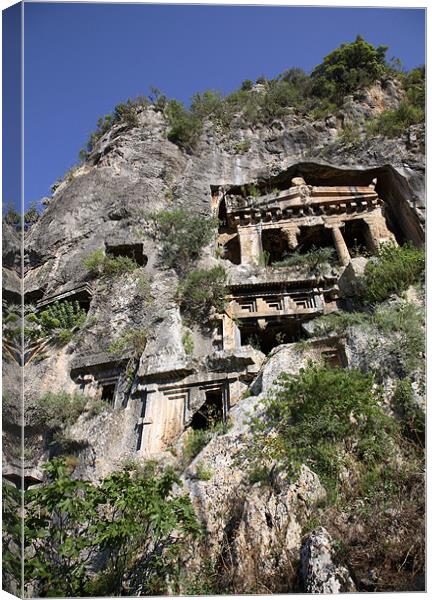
{"x": 394, "y": 270}
{"x": 201, "y": 291}
{"x": 132, "y": 525}
{"x": 348, "y": 68}
{"x": 183, "y": 235}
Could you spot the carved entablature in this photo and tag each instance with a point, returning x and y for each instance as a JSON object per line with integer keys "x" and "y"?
{"x": 82, "y": 293}
{"x": 271, "y": 226}
{"x": 294, "y": 203}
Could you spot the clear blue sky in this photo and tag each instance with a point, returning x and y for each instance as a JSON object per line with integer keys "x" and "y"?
{"x": 82, "y": 59}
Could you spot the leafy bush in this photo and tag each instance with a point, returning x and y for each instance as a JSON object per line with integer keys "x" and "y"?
{"x": 134, "y": 340}
{"x": 58, "y": 410}
{"x": 338, "y": 322}
{"x": 202, "y": 472}
{"x": 64, "y": 315}
{"x": 313, "y": 260}
{"x": 394, "y": 270}
{"x": 393, "y": 123}
{"x": 319, "y": 418}
{"x": 101, "y": 265}
{"x": 348, "y": 68}
{"x": 403, "y": 324}
{"x": 201, "y": 291}
{"x": 133, "y": 521}
{"x": 183, "y": 235}
{"x": 195, "y": 441}
{"x": 185, "y": 127}
{"x": 187, "y": 341}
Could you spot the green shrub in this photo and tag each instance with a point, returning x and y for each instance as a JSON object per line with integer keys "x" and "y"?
{"x": 185, "y": 127}
{"x": 202, "y": 472}
{"x": 403, "y": 324}
{"x": 348, "y": 68}
{"x": 393, "y": 271}
{"x": 63, "y": 315}
{"x": 195, "y": 441}
{"x": 126, "y": 112}
{"x": 58, "y": 410}
{"x": 201, "y": 291}
{"x": 139, "y": 526}
{"x": 394, "y": 123}
{"x": 134, "y": 340}
{"x": 242, "y": 147}
{"x": 413, "y": 416}
{"x": 318, "y": 418}
{"x": 313, "y": 260}
{"x": 187, "y": 341}
{"x": 183, "y": 236}
{"x": 338, "y": 322}
{"x": 101, "y": 265}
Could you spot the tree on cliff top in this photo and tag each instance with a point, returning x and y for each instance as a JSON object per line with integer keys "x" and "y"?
{"x": 348, "y": 68}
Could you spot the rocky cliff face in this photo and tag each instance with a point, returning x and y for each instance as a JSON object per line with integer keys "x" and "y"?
{"x": 106, "y": 203}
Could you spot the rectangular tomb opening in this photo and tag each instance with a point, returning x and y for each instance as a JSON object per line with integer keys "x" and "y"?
{"x": 272, "y": 334}
{"x": 211, "y": 412}
{"x": 132, "y": 251}
{"x": 108, "y": 393}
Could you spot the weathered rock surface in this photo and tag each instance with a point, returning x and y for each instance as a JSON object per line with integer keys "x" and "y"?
{"x": 321, "y": 574}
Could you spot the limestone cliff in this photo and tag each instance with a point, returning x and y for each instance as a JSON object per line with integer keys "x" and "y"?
{"x": 311, "y": 188}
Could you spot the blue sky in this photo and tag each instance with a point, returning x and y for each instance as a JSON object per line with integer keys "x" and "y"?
{"x": 82, "y": 59}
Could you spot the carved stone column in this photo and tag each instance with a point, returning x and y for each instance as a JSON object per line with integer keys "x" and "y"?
{"x": 291, "y": 234}
{"x": 341, "y": 247}
{"x": 250, "y": 244}
{"x": 376, "y": 231}
{"x": 230, "y": 333}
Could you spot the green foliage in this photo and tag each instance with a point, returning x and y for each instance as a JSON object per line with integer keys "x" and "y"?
{"x": 264, "y": 259}
{"x": 195, "y": 441}
{"x": 58, "y": 410}
{"x": 339, "y": 322}
{"x": 201, "y": 291}
{"x": 403, "y": 324}
{"x": 11, "y": 537}
{"x": 185, "y": 127}
{"x": 183, "y": 235}
{"x": 187, "y": 341}
{"x": 12, "y": 217}
{"x": 393, "y": 271}
{"x": 31, "y": 216}
{"x": 319, "y": 418}
{"x": 313, "y": 260}
{"x": 134, "y": 340}
{"x": 350, "y": 134}
{"x": 412, "y": 415}
{"x": 133, "y": 522}
{"x": 202, "y": 472}
{"x": 348, "y": 68}
{"x": 393, "y": 123}
{"x": 101, "y": 265}
{"x": 63, "y": 315}
{"x": 258, "y": 474}
{"x": 242, "y": 147}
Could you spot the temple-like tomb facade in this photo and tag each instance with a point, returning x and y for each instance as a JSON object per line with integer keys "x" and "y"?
{"x": 298, "y": 218}
{"x": 270, "y": 313}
